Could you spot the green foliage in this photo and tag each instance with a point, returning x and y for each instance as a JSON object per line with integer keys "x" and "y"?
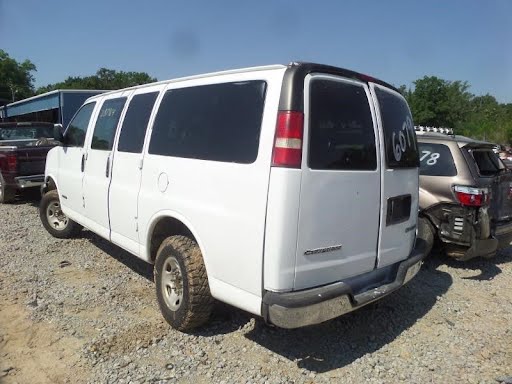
{"x": 16, "y": 79}
{"x": 437, "y": 102}
{"x": 106, "y": 79}
{"x": 441, "y": 103}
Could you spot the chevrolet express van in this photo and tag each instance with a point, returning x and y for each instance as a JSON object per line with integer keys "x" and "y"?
{"x": 289, "y": 191}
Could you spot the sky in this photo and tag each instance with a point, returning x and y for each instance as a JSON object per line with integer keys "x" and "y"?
{"x": 398, "y": 41}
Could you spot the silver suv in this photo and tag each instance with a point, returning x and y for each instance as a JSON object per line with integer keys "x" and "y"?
{"x": 465, "y": 195}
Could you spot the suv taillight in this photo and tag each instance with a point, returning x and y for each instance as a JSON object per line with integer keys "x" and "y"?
{"x": 471, "y": 197}
{"x": 288, "y": 142}
{"x": 12, "y": 162}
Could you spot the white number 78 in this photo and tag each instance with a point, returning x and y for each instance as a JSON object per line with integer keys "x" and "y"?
{"x": 433, "y": 157}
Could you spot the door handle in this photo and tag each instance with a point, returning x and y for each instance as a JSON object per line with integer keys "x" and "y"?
{"x": 107, "y": 170}
{"x": 82, "y": 166}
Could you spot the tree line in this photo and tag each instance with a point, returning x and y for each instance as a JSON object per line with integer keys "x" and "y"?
{"x": 433, "y": 101}
{"x": 442, "y": 103}
{"x": 17, "y": 80}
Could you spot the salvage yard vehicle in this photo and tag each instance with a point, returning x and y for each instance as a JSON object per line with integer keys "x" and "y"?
{"x": 465, "y": 195}
{"x": 23, "y": 149}
{"x": 290, "y": 192}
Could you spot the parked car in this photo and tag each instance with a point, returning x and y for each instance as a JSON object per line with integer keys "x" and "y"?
{"x": 266, "y": 188}
{"x": 465, "y": 196}
{"x": 23, "y": 148}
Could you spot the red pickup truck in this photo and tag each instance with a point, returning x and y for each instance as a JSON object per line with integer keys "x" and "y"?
{"x": 23, "y": 149}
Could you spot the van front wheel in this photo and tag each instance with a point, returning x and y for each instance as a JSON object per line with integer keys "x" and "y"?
{"x": 181, "y": 281}
{"x": 54, "y": 220}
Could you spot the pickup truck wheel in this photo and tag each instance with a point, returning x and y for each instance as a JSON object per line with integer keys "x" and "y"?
{"x": 181, "y": 281}
{"x": 6, "y": 194}
{"x": 426, "y": 232}
{"x": 54, "y": 220}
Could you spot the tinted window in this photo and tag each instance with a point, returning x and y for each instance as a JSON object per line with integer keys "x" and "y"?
{"x": 218, "y": 122}
{"x": 488, "y": 162}
{"x": 77, "y": 128}
{"x": 399, "y": 135}
{"x": 436, "y": 160}
{"x": 135, "y": 123}
{"x": 106, "y": 124}
{"x": 341, "y": 134}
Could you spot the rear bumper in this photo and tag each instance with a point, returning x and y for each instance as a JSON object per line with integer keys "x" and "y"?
{"x": 316, "y": 305}
{"x": 467, "y": 232}
{"x": 29, "y": 181}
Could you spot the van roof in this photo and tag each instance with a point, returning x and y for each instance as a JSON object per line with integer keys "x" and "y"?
{"x": 295, "y": 69}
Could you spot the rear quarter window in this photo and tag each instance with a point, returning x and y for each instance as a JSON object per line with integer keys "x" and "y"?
{"x": 218, "y": 122}
{"x": 399, "y": 136}
{"x": 436, "y": 160}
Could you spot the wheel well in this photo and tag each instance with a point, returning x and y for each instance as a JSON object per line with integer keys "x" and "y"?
{"x": 165, "y": 227}
{"x": 49, "y": 185}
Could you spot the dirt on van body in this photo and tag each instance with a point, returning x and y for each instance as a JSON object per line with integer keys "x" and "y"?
{"x": 84, "y": 311}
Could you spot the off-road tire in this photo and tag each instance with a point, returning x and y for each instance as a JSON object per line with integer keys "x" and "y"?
{"x": 7, "y": 194}
{"x": 197, "y": 303}
{"x": 426, "y": 233}
{"x": 71, "y": 229}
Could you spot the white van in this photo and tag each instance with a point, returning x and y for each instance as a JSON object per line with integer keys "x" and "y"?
{"x": 290, "y": 192}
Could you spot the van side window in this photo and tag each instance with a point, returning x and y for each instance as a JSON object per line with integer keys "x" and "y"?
{"x": 135, "y": 122}
{"x": 399, "y": 135}
{"x": 77, "y": 128}
{"x": 106, "y": 124}
{"x": 219, "y": 122}
{"x": 341, "y": 132}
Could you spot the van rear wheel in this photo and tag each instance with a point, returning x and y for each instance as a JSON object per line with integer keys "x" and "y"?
{"x": 54, "y": 220}
{"x": 181, "y": 281}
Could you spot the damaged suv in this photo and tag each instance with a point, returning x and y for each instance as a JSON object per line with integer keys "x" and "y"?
{"x": 465, "y": 195}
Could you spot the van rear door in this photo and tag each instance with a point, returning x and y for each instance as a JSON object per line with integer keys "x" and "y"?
{"x": 400, "y": 179}
{"x": 340, "y": 186}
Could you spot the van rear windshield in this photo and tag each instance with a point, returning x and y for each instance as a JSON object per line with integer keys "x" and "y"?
{"x": 399, "y": 135}
{"x": 341, "y": 132}
{"x": 436, "y": 160}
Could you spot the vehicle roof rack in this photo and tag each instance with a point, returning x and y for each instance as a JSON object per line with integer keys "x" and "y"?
{"x": 446, "y": 131}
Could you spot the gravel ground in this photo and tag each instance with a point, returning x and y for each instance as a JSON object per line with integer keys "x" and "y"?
{"x": 84, "y": 311}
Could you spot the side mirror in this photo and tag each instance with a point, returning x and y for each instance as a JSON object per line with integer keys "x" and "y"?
{"x": 58, "y": 133}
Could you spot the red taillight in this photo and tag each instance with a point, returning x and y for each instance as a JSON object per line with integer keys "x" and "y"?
{"x": 12, "y": 162}
{"x": 288, "y": 141}
{"x": 472, "y": 197}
